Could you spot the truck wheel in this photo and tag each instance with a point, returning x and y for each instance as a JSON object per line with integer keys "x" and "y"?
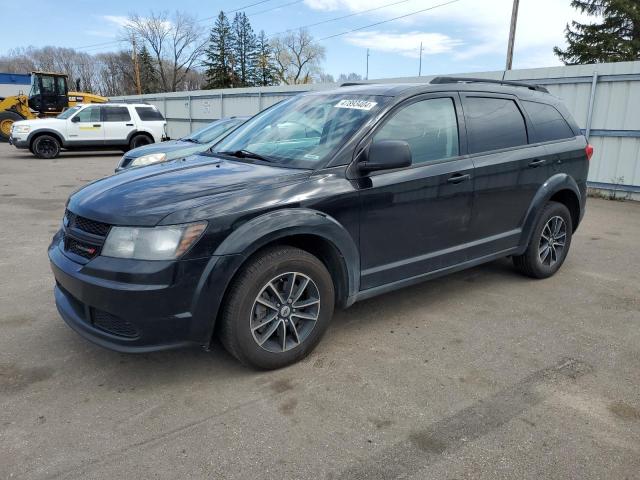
{"x": 549, "y": 243}
{"x": 46, "y": 146}
{"x": 277, "y": 309}
{"x": 6, "y": 122}
{"x": 139, "y": 141}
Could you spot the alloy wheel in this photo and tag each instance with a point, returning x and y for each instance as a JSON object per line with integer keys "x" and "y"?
{"x": 46, "y": 147}
{"x": 285, "y": 312}
{"x": 552, "y": 241}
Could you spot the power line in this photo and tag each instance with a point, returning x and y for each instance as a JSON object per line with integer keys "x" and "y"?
{"x": 275, "y": 8}
{"x": 389, "y": 20}
{"x": 342, "y": 17}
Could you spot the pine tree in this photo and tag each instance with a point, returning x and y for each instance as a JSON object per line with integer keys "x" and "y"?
{"x": 148, "y": 74}
{"x": 615, "y": 38}
{"x": 265, "y": 73}
{"x": 219, "y": 56}
{"x": 244, "y": 50}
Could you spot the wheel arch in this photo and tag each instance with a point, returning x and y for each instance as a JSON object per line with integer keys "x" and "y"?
{"x": 560, "y": 188}
{"x": 135, "y": 133}
{"x": 46, "y": 131}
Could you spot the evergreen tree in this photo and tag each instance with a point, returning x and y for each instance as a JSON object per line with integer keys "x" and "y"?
{"x": 219, "y": 55}
{"x": 148, "y": 74}
{"x": 615, "y": 38}
{"x": 245, "y": 50}
{"x": 265, "y": 72}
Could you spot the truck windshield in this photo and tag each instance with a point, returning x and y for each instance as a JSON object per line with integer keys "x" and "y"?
{"x": 68, "y": 112}
{"x": 303, "y": 132}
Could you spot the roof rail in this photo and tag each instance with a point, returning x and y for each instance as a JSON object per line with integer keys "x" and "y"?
{"x": 353, "y": 84}
{"x": 445, "y": 80}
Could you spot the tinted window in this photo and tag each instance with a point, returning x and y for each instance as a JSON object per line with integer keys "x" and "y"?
{"x": 116, "y": 114}
{"x": 429, "y": 127}
{"x": 148, "y": 114}
{"x": 89, "y": 114}
{"x": 549, "y": 125}
{"x": 493, "y": 123}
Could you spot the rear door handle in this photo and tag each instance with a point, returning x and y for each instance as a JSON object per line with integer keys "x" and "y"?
{"x": 537, "y": 163}
{"x": 129, "y": 125}
{"x": 97, "y": 125}
{"x": 458, "y": 178}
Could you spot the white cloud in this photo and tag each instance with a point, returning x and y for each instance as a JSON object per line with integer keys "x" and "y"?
{"x": 406, "y": 44}
{"x": 119, "y": 20}
{"x": 483, "y": 24}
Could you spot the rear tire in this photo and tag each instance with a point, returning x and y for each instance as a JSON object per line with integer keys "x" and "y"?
{"x": 292, "y": 287}
{"x": 46, "y": 147}
{"x": 139, "y": 141}
{"x": 549, "y": 244}
{"x": 6, "y": 122}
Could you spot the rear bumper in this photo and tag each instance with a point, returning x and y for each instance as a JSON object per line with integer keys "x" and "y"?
{"x": 136, "y": 306}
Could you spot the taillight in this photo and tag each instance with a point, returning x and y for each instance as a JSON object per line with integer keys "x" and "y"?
{"x": 589, "y": 151}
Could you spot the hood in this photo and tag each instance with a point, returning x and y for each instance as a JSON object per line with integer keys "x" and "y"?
{"x": 173, "y": 149}
{"x": 144, "y": 196}
{"x": 40, "y": 122}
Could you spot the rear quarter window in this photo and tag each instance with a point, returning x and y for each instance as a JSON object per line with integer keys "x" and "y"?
{"x": 493, "y": 124}
{"x": 548, "y": 123}
{"x": 149, "y": 114}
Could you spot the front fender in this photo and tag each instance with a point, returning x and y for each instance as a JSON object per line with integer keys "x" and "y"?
{"x": 245, "y": 240}
{"x": 271, "y": 226}
{"x": 556, "y": 183}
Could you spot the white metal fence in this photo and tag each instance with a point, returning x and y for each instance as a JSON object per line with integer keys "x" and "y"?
{"x": 603, "y": 98}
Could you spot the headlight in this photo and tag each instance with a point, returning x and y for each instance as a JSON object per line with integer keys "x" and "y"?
{"x": 157, "y": 243}
{"x": 148, "y": 159}
{"x": 21, "y": 128}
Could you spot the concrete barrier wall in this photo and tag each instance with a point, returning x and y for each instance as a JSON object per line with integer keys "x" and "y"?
{"x": 603, "y": 98}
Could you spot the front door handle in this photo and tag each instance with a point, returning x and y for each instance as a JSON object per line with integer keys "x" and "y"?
{"x": 458, "y": 178}
{"x": 537, "y": 163}
{"x": 128, "y": 125}
{"x": 97, "y": 125}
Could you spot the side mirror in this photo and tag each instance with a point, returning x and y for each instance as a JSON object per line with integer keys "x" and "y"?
{"x": 386, "y": 155}
{"x": 75, "y": 119}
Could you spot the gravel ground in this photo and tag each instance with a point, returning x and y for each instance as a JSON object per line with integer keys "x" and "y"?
{"x": 483, "y": 374}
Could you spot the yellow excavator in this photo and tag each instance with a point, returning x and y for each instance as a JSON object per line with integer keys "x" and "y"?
{"x": 49, "y": 96}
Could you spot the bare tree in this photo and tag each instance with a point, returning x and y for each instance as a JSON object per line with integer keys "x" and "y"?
{"x": 176, "y": 42}
{"x": 297, "y": 57}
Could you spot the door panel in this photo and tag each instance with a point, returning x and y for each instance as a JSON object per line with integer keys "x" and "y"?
{"x": 416, "y": 220}
{"x": 118, "y": 124}
{"x": 89, "y": 127}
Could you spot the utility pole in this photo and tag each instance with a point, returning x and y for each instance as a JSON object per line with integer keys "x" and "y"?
{"x": 136, "y": 67}
{"x": 366, "y": 77}
{"x": 420, "y": 67}
{"x": 512, "y": 33}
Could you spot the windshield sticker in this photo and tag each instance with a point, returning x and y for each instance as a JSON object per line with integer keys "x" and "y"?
{"x": 311, "y": 156}
{"x": 356, "y": 104}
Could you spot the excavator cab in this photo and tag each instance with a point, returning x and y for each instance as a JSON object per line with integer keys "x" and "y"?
{"x": 49, "y": 92}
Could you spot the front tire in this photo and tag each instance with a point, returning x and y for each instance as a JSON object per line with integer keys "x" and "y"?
{"x": 46, "y": 147}
{"x": 7, "y": 120}
{"x": 277, "y": 309}
{"x": 549, "y": 244}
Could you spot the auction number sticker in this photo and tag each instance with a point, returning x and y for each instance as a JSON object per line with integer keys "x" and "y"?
{"x": 356, "y": 104}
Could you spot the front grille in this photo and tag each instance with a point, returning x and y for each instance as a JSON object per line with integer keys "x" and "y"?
{"x": 114, "y": 325}
{"x": 86, "y": 225}
{"x": 82, "y": 249}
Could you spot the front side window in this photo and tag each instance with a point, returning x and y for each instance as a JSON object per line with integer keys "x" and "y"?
{"x": 89, "y": 114}
{"x": 493, "y": 124}
{"x": 430, "y": 127}
{"x": 549, "y": 125}
{"x": 116, "y": 114}
{"x": 305, "y": 131}
{"x": 69, "y": 112}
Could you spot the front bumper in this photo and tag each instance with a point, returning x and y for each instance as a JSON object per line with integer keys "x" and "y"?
{"x": 131, "y": 305}
{"x": 18, "y": 142}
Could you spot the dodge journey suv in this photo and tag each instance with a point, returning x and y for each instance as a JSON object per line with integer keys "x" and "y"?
{"x": 323, "y": 200}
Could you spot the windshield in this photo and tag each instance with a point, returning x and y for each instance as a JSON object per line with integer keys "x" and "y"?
{"x": 68, "y": 112}
{"x": 214, "y": 131}
{"x": 303, "y": 132}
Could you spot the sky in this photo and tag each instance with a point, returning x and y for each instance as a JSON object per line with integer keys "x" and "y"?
{"x": 458, "y": 36}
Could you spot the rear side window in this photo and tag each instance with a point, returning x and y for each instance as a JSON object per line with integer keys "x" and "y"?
{"x": 548, "y": 123}
{"x": 148, "y": 114}
{"x": 116, "y": 114}
{"x": 430, "y": 127}
{"x": 493, "y": 123}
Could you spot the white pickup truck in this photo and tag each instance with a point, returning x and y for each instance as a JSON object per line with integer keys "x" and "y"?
{"x": 107, "y": 126}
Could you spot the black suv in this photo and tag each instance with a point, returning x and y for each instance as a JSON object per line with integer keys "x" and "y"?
{"x": 322, "y": 200}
